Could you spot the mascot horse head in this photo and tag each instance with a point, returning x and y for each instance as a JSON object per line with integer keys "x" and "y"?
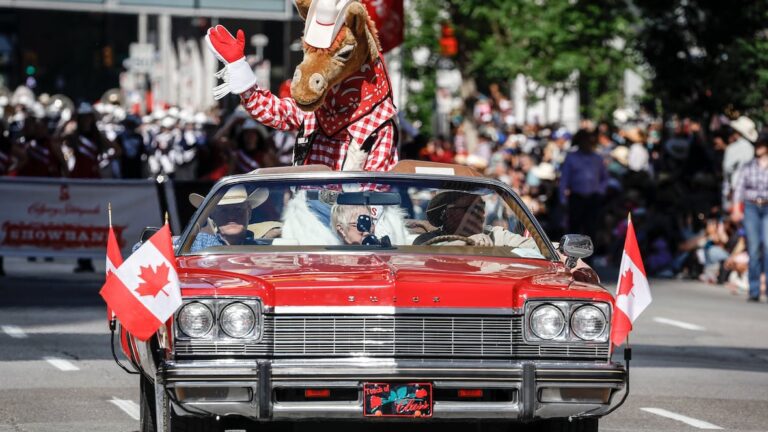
{"x": 339, "y": 38}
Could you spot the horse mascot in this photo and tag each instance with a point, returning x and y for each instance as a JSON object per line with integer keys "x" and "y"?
{"x": 341, "y": 99}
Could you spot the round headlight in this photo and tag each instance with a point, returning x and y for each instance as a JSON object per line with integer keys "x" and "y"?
{"x": 547, "y": 322}
{"x": 237, "y": 320}
{"x": 195, "y": 320}
{"x": 588, "y": 322}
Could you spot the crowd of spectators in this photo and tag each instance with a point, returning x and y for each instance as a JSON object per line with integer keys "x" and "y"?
{"x": 674, "y": 177}
{"x": 101, "y": 140}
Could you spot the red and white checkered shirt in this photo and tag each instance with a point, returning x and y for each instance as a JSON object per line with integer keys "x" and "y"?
{"x": 284, "y": 114}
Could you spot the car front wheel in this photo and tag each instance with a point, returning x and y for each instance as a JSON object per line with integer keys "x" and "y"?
{"x": 148, "y": 414}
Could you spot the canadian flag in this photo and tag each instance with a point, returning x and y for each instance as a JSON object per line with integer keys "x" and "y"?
{"x": 633, "y": 294}
{"x": 114, "y": 260}
{"x": 144, "y": 291}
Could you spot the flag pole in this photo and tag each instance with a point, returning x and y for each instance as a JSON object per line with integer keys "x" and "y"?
{"x": 112, "y": 323}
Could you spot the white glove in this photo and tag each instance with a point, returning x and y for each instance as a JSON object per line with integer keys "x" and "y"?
{"x": 237, "y": 74}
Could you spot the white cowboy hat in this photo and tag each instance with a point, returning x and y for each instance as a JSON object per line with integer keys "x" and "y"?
{"x": 235, "y": 195}
{"x": 324, "y": 20}
{"x": 544, "y": 171}
{"x": 168, "y": 122}
{"x": 745, "y": 127}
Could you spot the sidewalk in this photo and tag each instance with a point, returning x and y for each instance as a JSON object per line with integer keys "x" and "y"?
{"x": 20, "y": 267}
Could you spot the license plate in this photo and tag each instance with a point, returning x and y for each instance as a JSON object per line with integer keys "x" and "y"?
{"x": 397, "y": 400}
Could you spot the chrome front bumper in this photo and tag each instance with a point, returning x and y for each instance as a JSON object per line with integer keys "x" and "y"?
{"x": 248, "y": 388}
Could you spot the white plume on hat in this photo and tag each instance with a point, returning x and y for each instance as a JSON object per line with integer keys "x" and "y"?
{"x": 745, "y": 127}
{"x": 324, "y": 20}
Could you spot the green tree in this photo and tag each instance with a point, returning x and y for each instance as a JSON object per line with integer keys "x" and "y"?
{"x": 545, "y": 40}
{"x": 707, "y": 56}
{"x": 422, "y": 35}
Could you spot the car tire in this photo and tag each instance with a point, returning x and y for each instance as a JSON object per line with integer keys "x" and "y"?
{"x": 563, "y": 425}
{"x": 148, "y": 415}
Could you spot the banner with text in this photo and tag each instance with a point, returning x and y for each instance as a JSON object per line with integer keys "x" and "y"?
{"x": 62, "y": 217}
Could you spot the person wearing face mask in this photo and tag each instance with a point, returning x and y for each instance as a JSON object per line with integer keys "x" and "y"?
{"x": 353, "y": 224}
{"x": 750, "y": 205}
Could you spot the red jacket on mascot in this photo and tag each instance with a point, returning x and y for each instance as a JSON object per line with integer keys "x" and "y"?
{"x": 341, "y": 100}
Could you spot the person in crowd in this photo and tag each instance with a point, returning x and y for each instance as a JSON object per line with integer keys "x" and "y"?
{"x": 191, "y": 140}
{"x": 86, "y": 145}
{"x": 131, "y": 144}
{"x": 750, "y": 205}
{"x": 740, "y": 150}
{"x": 165, "y": 151}
{"x": 583, "y": 181}
{"x": 253, "y": 149}
{"x": 38, "y": 154}
{"x": 7, "y": 159}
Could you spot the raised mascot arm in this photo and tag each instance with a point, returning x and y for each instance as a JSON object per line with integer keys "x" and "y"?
{"x": 237, "y": 74}
{"x": 239, "y": 79}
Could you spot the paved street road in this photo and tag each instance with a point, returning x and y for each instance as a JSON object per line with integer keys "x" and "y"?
{"x": 701, "y": 359}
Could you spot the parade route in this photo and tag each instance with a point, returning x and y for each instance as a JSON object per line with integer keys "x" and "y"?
{"x": 700, "y": 359}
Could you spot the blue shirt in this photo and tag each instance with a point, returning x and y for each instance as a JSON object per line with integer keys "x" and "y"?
{"x": 583, "y": 173}
{"x": 205, "y": 240}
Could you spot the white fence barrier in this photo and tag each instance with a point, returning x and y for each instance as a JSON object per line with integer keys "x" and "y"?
{"x": 68, "y": 218}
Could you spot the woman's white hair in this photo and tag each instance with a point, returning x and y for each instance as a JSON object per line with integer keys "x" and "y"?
{"x": 346, "y": 214}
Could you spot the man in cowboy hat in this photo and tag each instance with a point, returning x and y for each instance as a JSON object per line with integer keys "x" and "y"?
{"x": 463, "y": 214}
{"x": 750, "y": 204}
{"x": 229, "y": 218}
{"x": 740, "y": 150}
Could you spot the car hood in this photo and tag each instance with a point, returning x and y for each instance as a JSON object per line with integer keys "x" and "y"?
{"x": 380, "y": 280}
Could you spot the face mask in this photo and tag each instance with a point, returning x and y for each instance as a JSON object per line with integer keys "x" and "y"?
{"x": 364, "y": 224}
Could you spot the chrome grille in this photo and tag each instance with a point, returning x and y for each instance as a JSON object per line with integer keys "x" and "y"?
{"x": 394, "y": 336}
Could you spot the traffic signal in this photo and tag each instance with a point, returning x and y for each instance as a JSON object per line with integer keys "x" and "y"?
{"x": 107, "y": 56}
{"x": 30, "y": 70}
{"x": 449, "y": 46}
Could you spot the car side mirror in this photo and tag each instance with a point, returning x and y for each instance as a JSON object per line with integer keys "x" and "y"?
{"x": 574, "y": 247}
{"x": 147, "y": 233}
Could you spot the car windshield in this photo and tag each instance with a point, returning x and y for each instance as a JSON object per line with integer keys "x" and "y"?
{"x": 411, "y": 215}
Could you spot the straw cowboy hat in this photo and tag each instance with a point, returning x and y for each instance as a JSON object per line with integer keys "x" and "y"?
{"x": 634, "y": 135}
{"x": 235, "y": 195}
{"x": 745, "y": 127}
{"x": 621, "y": 155}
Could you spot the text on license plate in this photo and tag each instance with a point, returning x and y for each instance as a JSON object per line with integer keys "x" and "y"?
{"x": 397, "y": 399}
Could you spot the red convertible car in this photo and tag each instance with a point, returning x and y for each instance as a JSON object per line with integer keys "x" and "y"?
{"x": 427, "y": 293}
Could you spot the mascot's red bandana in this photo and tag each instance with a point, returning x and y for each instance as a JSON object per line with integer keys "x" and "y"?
{"x": 354, "y": 98}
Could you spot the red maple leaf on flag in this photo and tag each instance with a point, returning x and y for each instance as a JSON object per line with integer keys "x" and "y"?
{"x": 154, "y": 280}
{"x": 626, "y": 283}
